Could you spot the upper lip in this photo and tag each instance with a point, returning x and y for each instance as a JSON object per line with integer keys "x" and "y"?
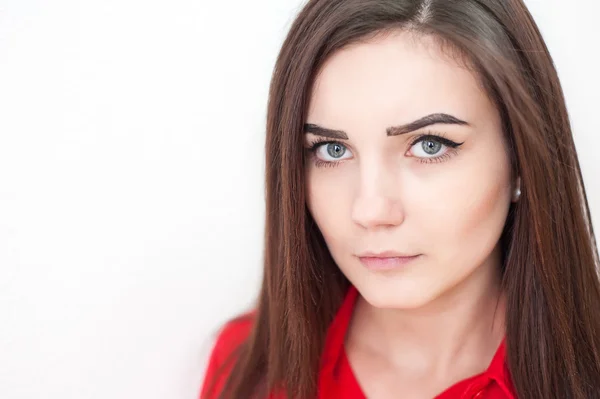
{"x": 384, "y": 254}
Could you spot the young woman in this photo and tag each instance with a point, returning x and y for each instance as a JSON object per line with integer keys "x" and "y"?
{"x": 427, "y": 232}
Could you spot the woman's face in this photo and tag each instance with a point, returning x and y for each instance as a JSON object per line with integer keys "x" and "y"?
{"x": 378, "y": 186}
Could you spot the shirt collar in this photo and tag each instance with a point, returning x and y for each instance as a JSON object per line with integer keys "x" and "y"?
{"x": 334, "y": 345}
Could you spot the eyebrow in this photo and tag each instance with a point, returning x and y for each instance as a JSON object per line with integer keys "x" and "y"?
{"x": 432, "y": 119}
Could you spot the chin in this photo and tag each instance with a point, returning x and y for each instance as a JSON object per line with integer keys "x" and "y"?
{"x": 394, "y": 296}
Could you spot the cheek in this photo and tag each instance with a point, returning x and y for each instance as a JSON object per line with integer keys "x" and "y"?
{"x": 328, "y": 200}
{"x": 469, "y": 214}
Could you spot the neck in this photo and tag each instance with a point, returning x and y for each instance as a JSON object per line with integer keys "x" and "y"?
{"x": 462, "y": 327}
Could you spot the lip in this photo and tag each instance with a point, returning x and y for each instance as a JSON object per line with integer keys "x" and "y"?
{"x": 384, "y": 254}
{"x": 385, "y": 260}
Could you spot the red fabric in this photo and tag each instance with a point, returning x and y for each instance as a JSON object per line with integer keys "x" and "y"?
{"x": 230, "y": 337}
{"x": 336, "y": 379}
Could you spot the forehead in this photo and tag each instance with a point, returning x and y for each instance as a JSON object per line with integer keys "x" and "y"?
{"x": 399, "y": 74}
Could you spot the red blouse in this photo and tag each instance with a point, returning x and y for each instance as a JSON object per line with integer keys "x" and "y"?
{"x": 336, "y": 378}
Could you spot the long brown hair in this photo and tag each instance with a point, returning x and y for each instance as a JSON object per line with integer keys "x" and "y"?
{"x": 550, "y": 257}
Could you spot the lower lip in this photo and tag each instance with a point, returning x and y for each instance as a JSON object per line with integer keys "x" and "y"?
{"x": 391, "y": 263}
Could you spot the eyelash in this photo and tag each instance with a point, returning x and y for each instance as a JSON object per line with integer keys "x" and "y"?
{"x": 429, "y": 135}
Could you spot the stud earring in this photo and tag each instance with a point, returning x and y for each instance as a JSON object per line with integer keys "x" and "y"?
{"x": 517, "y": 193}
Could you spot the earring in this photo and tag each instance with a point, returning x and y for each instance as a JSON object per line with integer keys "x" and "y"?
{"x": 517, "y": 193}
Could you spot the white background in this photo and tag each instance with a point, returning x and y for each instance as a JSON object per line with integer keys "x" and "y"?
{"x": 131, "y": 181}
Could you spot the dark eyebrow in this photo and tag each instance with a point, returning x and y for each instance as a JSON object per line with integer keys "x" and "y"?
{"x": 420, "y": 123}
{"x": 432, "y": 119}
{"x": 323, "y": 131}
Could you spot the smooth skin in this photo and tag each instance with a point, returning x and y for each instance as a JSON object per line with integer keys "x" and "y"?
{"x": 419, "y": 328}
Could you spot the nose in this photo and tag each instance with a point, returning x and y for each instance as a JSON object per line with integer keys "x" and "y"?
{"x": 377, "y": 202}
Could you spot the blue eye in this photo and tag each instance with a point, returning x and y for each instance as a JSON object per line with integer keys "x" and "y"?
{"x": 433, "y": 148}
{"x": 334, "y": 150}
{"x": 429, "y": 147}
{"x": 328, "y": 153}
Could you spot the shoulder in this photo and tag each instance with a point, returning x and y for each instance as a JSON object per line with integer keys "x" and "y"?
{"x": 230, "y": 337}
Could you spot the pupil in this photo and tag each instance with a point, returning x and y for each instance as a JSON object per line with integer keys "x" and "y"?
{"x": 431, "y": 147}
{"x": 335, "y": 150}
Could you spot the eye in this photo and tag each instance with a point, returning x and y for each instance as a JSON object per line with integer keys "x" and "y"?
{"x": 331, "y": 152}
{"x": 427, "y": 148}
{"x": 433, "y": 147}
{"x": 328, "y": 153}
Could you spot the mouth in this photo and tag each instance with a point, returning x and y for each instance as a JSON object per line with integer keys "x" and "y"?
{"x": 386, "y": 260}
